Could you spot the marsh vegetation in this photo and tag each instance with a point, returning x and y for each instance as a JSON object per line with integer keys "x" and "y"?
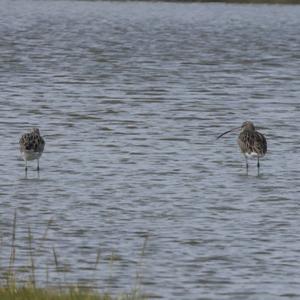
{"x": 20, "y": 283}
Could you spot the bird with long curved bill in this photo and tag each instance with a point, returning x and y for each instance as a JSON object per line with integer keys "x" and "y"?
{"x": 252, "y": 143}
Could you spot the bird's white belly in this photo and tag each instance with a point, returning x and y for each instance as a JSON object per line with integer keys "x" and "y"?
{"x": 30, "y": 155}
{"x": 252, "y": 155}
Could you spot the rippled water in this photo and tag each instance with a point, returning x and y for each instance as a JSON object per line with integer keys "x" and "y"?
{"x": 130, "y": 98}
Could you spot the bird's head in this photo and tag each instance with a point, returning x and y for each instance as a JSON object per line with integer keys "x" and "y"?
{"x": 35, "y": 130}
{"x": 245, "y": 126}
{"x": 248, "y": 126}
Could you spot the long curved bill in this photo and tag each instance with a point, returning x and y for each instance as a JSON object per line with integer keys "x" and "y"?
{"x": 228, "y": 131}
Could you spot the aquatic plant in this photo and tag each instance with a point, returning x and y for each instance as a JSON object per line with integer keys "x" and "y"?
{"x": 13, "y": 289}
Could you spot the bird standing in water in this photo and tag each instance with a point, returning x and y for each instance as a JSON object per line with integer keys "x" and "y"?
{"x": 252, "y": 143}
{"x": 32, "y": 146}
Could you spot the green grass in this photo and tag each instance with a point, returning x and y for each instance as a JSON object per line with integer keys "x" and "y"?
{"x": 32, "y": 293}
{"x": 28, "y": 289}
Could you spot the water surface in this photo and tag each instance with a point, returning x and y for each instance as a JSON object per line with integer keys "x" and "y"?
{"x": 130, "y": 98}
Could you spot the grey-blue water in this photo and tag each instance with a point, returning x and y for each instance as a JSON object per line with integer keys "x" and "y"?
{"x": 130, "y": 98}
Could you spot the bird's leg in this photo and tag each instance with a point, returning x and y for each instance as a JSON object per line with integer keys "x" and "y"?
{"x": 258, "y": 165}
{"x": 246, "y": 162}
{"x": 38, "y": 165}
{"x": 26, "y": 165}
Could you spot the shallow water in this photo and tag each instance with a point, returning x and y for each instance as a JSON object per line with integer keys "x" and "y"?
{"x": 130, "y": 98}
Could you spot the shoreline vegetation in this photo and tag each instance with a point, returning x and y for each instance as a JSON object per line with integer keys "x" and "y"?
{"x": 14, "y": 288}
{"x": 34, "y": 293}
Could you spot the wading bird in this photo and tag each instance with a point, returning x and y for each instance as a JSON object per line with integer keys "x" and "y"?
{"x": 252, "y": 143}
{"x": 32, "y": 146}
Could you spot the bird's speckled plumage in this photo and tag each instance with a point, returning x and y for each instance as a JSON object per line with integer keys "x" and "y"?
{"x": 32, "y": 146}
{"x": 252, "y": 142}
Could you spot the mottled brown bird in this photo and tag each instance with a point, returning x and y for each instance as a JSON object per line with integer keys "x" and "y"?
{"x": 252, "y": 143}
{"x": 32, "y": 146}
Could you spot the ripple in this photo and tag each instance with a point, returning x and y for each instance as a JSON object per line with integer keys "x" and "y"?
{"x": 130, "y": 98}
